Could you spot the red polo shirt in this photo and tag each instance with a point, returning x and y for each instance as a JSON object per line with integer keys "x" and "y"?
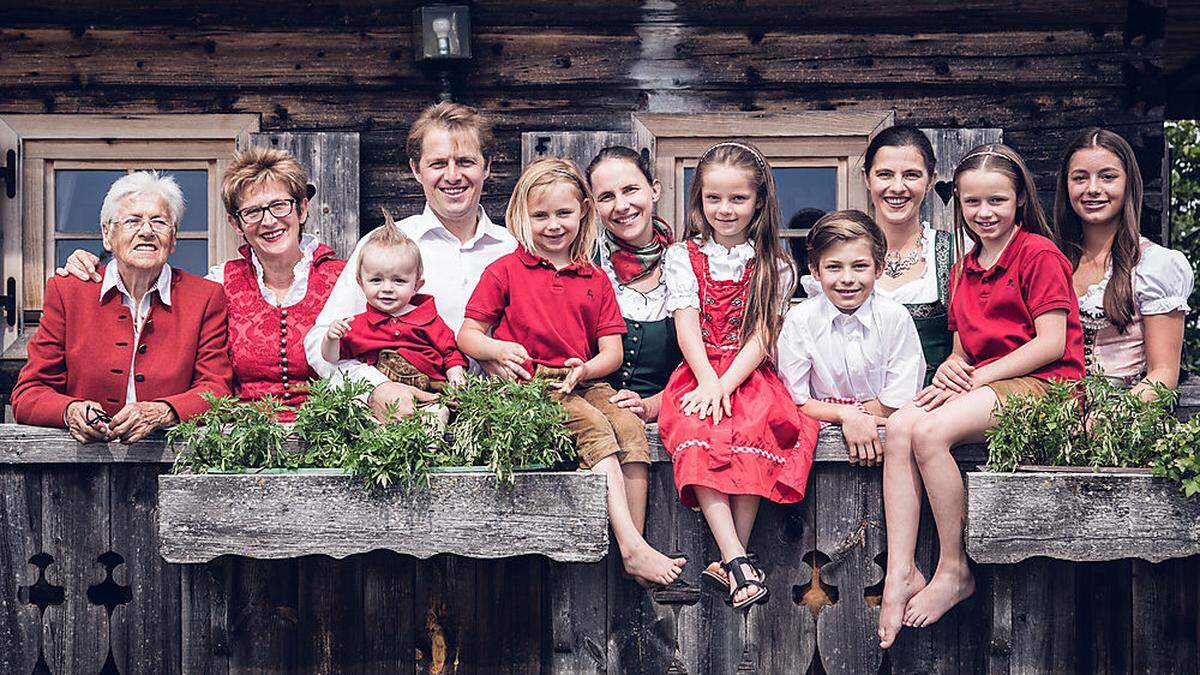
{"x": 419, "y": 335}
{"x": 554, "y": 314}
{"x": 993, "y": 309}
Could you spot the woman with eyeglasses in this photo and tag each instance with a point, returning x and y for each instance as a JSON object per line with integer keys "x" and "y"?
{"x": 118, "y": 360}
{"x": 277, "y": 287}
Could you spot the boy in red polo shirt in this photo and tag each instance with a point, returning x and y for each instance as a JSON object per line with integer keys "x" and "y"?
{"x": 1015, "y": 321}
{"x": 551, "y": 312}
{"x": 398, "y": 318}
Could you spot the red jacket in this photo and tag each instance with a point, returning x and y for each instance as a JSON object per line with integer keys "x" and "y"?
{"x": 81, "y": 350}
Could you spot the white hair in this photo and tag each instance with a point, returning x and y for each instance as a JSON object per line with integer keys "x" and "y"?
{"x": 143, "y": 182}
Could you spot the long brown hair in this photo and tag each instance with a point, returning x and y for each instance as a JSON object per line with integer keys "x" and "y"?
{"x": 1126, "y": 246}
{"x": 764, "y": 307}
{"x": 1002, "y": 159}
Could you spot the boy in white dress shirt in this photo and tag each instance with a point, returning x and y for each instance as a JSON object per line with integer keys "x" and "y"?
{"x": 850, "y": 356}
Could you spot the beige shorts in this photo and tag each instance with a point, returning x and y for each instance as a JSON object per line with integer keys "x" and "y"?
{"x": 600, "y": 428}
{"x": 1023, "y": 386}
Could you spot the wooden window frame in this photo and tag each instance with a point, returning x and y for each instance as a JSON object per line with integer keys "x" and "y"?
{"x": 112, "y": 141}
{"x": 818, "y": 138}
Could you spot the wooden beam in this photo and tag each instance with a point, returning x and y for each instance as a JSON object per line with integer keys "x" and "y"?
{"x": 33, "y": 127}
{"x": 1079, "y": 516}
{"x": 560, "y": 515}
{"x": 21, "y": 444}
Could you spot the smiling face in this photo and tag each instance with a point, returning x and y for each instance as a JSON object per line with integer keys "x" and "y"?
{"x": 555, "y": 217}
{"x": 898, "y": 182}
{"x": 273, "y": 236}
{"x": 730, "y": 202}
{"x": 847, "y": 273}
{"x": 388, "y": 277}
{"x": 625, "y": 200}
{"x": 142, "y": 235}
{"x": 1096, "y": 186}
{"x": 451, "y": 171}
{"x": 989, "y": 205}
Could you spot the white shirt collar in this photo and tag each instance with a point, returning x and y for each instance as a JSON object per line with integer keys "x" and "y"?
{"x": 308, "y": 249}
{"x": 831, "y": 315}
{"x": 484, "y": 226}
{"x": 742, "y": 252}
{"x": 112, "y": 279}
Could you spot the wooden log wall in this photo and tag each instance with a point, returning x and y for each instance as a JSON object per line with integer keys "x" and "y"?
{"x": 1040, "y": 71}
{"x": 82, "y": 585}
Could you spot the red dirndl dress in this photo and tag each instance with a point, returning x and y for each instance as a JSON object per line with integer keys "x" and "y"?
{"x": 766, "y": 446}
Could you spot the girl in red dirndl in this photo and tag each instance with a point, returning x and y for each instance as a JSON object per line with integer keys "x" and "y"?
{"x": 733, "y": 431}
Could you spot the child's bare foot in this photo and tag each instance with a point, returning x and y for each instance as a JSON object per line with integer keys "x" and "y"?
{"x": 896, "y": 594}
{"x": 644, "y": 563}
{"x": 945, "y": 590}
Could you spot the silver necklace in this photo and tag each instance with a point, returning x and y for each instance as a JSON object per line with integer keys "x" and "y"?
{"x": 895, "y": 265}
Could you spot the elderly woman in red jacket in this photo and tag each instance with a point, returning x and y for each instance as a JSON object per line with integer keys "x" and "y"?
{"x": 119, "y": 360}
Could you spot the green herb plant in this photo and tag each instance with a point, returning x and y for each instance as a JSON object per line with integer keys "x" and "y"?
{"x": 399, "y": 452}
{"x": 503, "y": 424}
{"x": 331, "y": 420}
{"x": 1177, "y": 456}
{"x": 231, "y": 435}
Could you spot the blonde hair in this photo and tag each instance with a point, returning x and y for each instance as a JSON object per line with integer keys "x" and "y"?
{"x": 538, "y": 176}
{"x": 455, "y": 118}
{"x": 254, "y": 167}
{"x": 836, "y": 227}
{"x": 388, "y": 237}
{"x": 764, "y": 307}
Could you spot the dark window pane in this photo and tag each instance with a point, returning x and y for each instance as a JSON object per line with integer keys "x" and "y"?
{"x": 63, "y": 248}
{"x": 78, "y": 195}
{"x": 799, "y": 188}
{"x": 194, "y": 183}
{"x": 190, "y": 255}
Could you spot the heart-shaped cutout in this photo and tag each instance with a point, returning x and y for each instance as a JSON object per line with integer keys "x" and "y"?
{"x": 944, "y": 189}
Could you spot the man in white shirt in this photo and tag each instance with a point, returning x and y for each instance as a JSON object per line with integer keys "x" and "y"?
{"x": 450, "y": 149}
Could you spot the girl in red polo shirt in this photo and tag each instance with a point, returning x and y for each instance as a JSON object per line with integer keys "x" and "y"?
{"x": 1015, "y": 321}
{"x": 552, "y": 312}
{"x": 733, "y": 432}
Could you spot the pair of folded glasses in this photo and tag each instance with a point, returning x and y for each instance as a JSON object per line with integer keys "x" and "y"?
{"x": 95, "y": 416}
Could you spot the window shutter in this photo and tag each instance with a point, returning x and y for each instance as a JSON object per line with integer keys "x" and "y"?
{"x": 11, "y": 262}
{"x": 578, "y": 146}
{"x": 332, "y": 162}
{"x": 949, "y": 145}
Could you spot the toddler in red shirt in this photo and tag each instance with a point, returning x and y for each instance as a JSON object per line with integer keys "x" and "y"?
{"x": 398, "y": 318}
{"x": 1015, "y": 321}
{"x": 552, "y": 312}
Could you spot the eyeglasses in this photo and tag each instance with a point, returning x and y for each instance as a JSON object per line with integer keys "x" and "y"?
{"x": 253, "y": 215}
{"x": 134, "y": 223}
{"x": 96, "y": 416}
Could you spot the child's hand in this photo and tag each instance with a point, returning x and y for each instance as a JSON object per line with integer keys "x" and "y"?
{"x": 862, "y": 438}
{"x": 338, "y": 329}
{"x": 511, "y": 354}
{"x": 456, "y": 376}
{"x": 708, "y": 398}
{"x": 954, "y": 374}
{"x": 932, "y": 397}
{"x": 578, "y": 373}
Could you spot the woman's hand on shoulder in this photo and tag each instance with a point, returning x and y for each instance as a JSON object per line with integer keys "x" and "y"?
{"x": 81, "y": 265}
{"x": 709, "y": 398}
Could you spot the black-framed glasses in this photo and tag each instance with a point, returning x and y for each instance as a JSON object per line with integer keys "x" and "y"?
{"x": 96, "y": 416}
{"x": 253, "y": 215}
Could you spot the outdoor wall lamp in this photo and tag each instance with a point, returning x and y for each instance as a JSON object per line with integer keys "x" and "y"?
{"x": 441, "y": 37}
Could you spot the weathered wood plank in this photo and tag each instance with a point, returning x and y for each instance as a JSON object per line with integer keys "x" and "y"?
{"x": 785, "y": 629}
{"x": 387, "y": 613}
{"x": 329, "y": 632}
{"x": 578, "y": 146}
{"x": 444, "y": 607}
{"x": 146, "y": 631}
{"x": 331, "y": 159}
{"x": 1104, "y": 607}
{"x": 1166, "y": 616}
{"x": 204, "y": 593}
{"x": 949, "y": 146}
{"x": 1078, "y": 516}
{"x": 1043, "y": 622}
{"x": 560, "y": 515}
{"x": 578, "y": 618}
{"x": 262, "y": 601}
{"x": 21, "y": 634}
{"x": 22, "y": 444}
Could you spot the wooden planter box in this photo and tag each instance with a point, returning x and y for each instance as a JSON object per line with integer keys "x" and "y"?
{"x": 561, "y": 515}
{"x": 1079, "y": 515}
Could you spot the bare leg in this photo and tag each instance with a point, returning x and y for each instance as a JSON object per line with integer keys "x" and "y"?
{"x": 640, "y": 559}
{"x": 961, "y": 419}
{"x": 636, "y": 486}
{"x": 902, "y": 514}
{"x": 719, "y": 514}
{"x": 745, "y": 510}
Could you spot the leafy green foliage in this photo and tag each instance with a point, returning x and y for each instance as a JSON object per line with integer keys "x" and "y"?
{"x": 231, "y": 435}
{"x": 1108, "y": 426}
{"x": 400, "y": 452}
{"x": 332, "y": 420}
{"x": 502, "y": 424}
{"x": 1184, "y": 139}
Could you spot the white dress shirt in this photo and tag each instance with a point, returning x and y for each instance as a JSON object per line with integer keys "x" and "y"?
{"x": 452, "y": 269}
{"x": 299, "y": 287}
{"x": 873, "y": 353}
{"x": 138, "y": 314}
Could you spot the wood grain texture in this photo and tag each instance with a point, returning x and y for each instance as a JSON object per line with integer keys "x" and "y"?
{"x": 21, "y": 631}
{"x": 22, "y": 444}
{"x": 1078, "y": 516}
{"x": 560, "y": 515}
